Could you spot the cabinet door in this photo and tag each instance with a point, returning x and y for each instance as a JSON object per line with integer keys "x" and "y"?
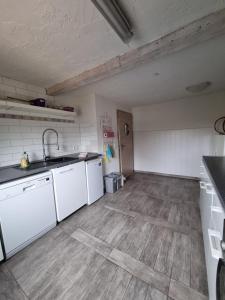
{"x": 1, "y": 252}
{"x": 203, "y": 202}
{"x": 70, "y": 189}
{"x": 27, "y": 210}
{"x": 218, "y": 215}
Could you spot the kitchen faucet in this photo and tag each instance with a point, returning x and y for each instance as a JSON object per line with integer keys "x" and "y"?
{"x": 45, "y": 157}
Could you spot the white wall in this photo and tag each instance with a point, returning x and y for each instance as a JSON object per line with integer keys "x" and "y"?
{"x": 92, "y": 108}
{"x": 107, "y": 107}
{"x": 87, "y": 118}
{"x": 171, "y": 137}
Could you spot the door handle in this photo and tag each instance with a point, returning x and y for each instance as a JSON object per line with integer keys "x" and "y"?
{"x": 30, "y": 187}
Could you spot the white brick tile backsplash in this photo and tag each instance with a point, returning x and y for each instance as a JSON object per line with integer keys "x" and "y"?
{"x": 10, "y": 122}
{"x": 36, "y": 89}
{"x": 29, "y": 94}
{"x": 5, "y": 157}
{"x": 7, "y": 88}
{"x": 4, "y": 129}
{"x": 5, "y": 143}
{"x": 17, "y": 136}
{"x": 14, "y": 83}
{"x": 21, "y": 90}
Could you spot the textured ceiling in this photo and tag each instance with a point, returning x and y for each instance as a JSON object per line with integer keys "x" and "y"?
{"x": 166, "y": 78}
{"x": 46, "y": 41}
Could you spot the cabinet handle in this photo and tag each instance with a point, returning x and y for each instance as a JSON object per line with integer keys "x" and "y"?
{"x": 209, "y": 189}
{"x": 202, "y": 185}
{"x": 28, "y": 188}
{"x": 65, "y": 171}
{"x": 213, "y": 236}
{"x": 222, "y": 244}
{"x": 217, "y": 209}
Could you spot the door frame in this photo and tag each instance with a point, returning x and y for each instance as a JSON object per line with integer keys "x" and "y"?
{"x": 119, "y": 142}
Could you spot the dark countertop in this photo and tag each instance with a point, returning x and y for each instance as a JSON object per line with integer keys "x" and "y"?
{"x": 216, "y": 169}
{"x": 11, "y": 173}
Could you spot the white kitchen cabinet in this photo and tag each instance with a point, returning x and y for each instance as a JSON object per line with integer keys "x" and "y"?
{"x": 212, "y": 217}
{"x": 70, "y": 189}
{"x": 206, "y": 197}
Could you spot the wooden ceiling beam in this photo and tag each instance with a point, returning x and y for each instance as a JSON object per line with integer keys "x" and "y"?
{"x": 206, "y": 28}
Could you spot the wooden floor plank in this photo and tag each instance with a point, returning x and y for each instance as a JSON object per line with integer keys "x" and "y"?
{"x": 165, "y": 256}
{"x": 134, "y": 242}
{"x": 181, "y": 270}
{"x": 110, "y": 282}
{"x": 140, "y": 270}
{"x": 9, "y": 288}
{"x": 137, "y": 290}
{"x": 122, "y": 211}
{"x": 151, "y": 249}
{"x": 82, "y": 277}
{"x": 179, "y": 291}
{"x": 151, "y": 220}
{"x": 123, "y": 260}
{"x": 111, "y": 227}
{"x": 96, "y": 244}
{"x": 198, "y": 266}
{"x": 118, "y": 286}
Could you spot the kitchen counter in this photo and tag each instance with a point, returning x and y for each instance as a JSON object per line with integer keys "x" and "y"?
{"x": 10, "y": 173}
{"x": 215, "y": 166}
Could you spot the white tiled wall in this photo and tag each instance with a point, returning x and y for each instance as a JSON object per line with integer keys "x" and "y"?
{"x": 88, "y": 137}
{"x": 21, "y": 90}
{"x": 17, "y": 136}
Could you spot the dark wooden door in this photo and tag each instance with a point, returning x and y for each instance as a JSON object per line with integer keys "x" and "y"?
{"x": 125, "y": 136}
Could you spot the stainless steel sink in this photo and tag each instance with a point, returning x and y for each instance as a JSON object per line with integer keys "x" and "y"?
{"x": 61, "y": 159}
{"x": 47, "y": 163}
{"x": 36, "y": 165}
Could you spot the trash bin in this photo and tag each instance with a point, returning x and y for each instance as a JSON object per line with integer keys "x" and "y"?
{"x": 118, "y": 178}
{"x": 112, "y": 182}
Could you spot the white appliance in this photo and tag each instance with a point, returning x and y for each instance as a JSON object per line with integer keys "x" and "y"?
{"x": 27, "y": 211}
{"x": 94, "y": 180}
{"x": 70, "y": 189}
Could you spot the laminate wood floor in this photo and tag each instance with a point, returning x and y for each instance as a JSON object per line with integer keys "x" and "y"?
{"x": 143, "y": 242}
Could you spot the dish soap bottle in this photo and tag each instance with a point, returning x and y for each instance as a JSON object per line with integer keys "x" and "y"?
{"x": 24, "y": 163}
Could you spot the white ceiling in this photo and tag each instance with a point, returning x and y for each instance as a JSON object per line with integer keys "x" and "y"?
{"x": 166, "y": 78}
{"x": 46, "y": 41}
